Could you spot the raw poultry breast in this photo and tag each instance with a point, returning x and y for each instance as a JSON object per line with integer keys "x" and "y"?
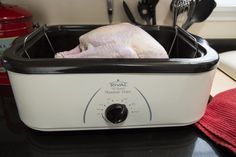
{"x": 116, "y": 41}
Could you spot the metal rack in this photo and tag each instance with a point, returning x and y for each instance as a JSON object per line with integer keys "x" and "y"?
{"x": 30, "y": 36}
{"x": 43, "y": 29}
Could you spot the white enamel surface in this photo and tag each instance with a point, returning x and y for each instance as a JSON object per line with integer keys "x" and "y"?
{"x": 58, "y": 101}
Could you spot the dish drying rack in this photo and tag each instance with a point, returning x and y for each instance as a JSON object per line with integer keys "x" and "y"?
{"x": 42, "y": 31}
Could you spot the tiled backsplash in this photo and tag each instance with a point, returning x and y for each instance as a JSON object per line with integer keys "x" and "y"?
{"x": 94, "y": 12}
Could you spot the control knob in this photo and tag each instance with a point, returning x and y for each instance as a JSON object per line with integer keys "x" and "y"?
{"x": 116, "y": 113}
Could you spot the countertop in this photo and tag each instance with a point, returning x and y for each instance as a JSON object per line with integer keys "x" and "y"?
{"x": 221, "y": 83}
{"x": 18, "y": 140}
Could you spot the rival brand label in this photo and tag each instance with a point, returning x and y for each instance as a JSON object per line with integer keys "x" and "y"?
{"x": 118, "y": 87}
{"x": 118, "y": 83}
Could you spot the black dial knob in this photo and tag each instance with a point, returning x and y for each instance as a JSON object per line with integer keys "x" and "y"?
{"x": 116, "y": 113}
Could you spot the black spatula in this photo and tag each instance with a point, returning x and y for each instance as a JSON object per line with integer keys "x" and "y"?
{"x": 201, "y": 12}
{"x": 129, "y": 13}
{"x": 153, "y": 9}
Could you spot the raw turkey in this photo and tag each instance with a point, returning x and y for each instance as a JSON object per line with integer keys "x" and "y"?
{"x": 116, "y": 41}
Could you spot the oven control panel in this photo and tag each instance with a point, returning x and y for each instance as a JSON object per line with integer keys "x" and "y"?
{"x": 117, "y": 104}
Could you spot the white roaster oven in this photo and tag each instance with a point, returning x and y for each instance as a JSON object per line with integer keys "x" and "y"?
{"x": 90, "y": 94}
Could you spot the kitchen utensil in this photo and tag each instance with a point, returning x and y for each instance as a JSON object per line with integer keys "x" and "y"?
{"x": 129, "y": 13}
{"x": 191, "y": 10}
{"x": 110, "y": 10}
{"x": 91, "y": 94}
{"x": 14, "y": 22}
{"x": 144, "y": 11}
{"x": 178, "y": 7}
{"x": 147, "y": 10}
{"x": 202, "y": 11}
{"x": 153, "y": 11}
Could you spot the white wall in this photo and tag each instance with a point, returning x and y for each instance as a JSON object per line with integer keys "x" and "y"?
{"x": 94, "y": 12}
